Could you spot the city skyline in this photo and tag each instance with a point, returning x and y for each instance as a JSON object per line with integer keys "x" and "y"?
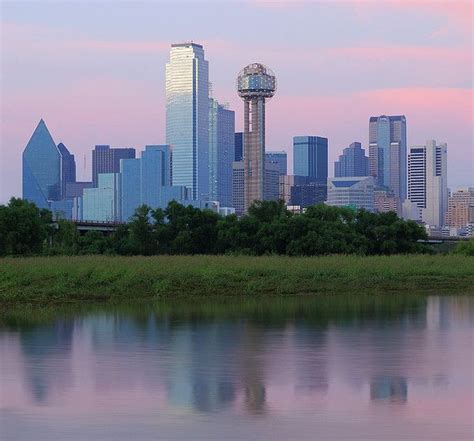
{"x": 109, "y": 90}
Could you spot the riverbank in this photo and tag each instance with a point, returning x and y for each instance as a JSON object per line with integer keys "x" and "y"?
{"x": 55, "y": 280}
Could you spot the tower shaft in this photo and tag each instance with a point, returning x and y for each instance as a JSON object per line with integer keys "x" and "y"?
{"x": 254, "y": 150}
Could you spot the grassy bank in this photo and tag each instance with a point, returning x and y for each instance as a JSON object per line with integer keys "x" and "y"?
{"x": 102, "y": 278}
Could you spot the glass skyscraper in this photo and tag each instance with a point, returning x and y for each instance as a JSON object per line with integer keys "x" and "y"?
{"x": 239, "y": 146}
{"x": 187, "y": 117}
{"x": 41, "y": 168}
{"x": 68, "y": 168}
{"x": 388, "y": 153}
{"x": 103, "y": 203}
{"x": 279, "y": 158}
{"x": 310, "y": 158}
{"x": 352, "y": 162}
{"x": 221, "y": 152}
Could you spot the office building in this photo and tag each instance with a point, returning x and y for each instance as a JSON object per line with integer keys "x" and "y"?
{"x": 385, "y": 201}
{"x": 103, "y": 203}
{"x": 239, "y": 146}
{"x": 238, "y": 190}
{"x": 75, "y": 189}
{"x": 352, "y": 162}
{"x": 41, "y": 180}
{"x": 387, "y": 153}
{"x": 355, "y": 192}
{"x": 256, "y": 84}
{"x": 310, "y": 158}
{"x": 460, "y": 211}
{"x": 272, "y": 181}
{"x": 221, "y": 152}
{"x": 301, "y": 191}
{"x": 107, "y": 160}
{"x": 279, "y": 158}
{"x": 187, "y": 117}
{"x": 68, "y": 168}
{"x": 427, "y": 181}
{"x": 146, "y": 181}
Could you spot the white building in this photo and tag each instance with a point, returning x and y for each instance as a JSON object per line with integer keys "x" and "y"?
{"x": 356, "y": 192}
{"x": 427, "y": 181}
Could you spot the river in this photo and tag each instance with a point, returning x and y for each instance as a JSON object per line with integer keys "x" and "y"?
{"x": 329, "y": 368}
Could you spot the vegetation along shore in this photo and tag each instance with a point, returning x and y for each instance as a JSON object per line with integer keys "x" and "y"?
{"x": 64, "y": 279}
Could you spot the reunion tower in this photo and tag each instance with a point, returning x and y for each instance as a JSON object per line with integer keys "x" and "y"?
{"x": 255, "y": 84}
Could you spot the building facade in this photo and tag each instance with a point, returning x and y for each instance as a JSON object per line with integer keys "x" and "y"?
{"x": 238, "y": 190}
{"x": 352, "y": 162}
{"x": 239, "y": 146}
{"x": 103, "y": 203}
{"x": 427, "y": 181}
{"x": 68, "y": 168}
{"x": 460, "y": 211}
{"x": 107, "y": 160}
{"x": 41, "y": 164}
{"x": 187, "y": 117}
{"x": 221, "y": 152}
{"x": 354, "y": 192}
{"x": 271, "y": 190}
{"x": 388, "y": 153}
{"x": 310, "y": 158}
{"x": 385, "y": 201}
{"x": 279, "y": 158}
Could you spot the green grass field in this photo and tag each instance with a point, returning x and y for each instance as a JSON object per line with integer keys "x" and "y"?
{"x": 53, "y": 280}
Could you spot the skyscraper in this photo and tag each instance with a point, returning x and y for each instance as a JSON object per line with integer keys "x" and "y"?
{"x": 279, "y": 158}
{"x": 103, "y": 203}
{"x": 239, "y": 146}
{"x": 41, "y": 168}
{"x": 238, "y": 190}
{"x": 310, "y": 158}
{"x": 221, "y": 152}
{"x": 68, "y": 168}
{"x": 107, "y": 160}
{"x": 388, "y": 152}
{"x": 255, "y": 84}
{"x": 352, "y": 162}
{"x": 427, "y": 181}
{"x": 187, "y": 117}
{"x": 460, "y": 208}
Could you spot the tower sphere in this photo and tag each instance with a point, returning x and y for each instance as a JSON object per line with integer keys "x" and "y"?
{"x": 256, "y": 80}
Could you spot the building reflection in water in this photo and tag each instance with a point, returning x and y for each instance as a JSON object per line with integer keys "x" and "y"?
{"x": 394, "y": 389}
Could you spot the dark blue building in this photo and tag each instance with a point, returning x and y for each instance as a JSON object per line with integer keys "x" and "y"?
{"x": 239, "y": 146}
{"x": 310, "y": 158}
{"x": 352, "y": 162}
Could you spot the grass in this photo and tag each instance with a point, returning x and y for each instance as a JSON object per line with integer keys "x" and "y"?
{"x": 56, "y": 280}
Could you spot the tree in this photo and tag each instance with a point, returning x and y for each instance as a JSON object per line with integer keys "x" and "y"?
{"x": 24, "y": 228}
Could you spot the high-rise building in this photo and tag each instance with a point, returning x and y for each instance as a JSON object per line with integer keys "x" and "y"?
{"x": 427, "y": 181}
{"x": 221, "y": 152}
{"x": 302, "y": 191}
{"x": 388, "y": 153}
{"x": 146, "y": 181}
{"x": 356, "y": 192}
{"x": 107, "y": 160}
{"x": 460, "y": 208}
{"x": 256, "y": 84}
{"x": 352, "y": 162}
{"x": 41, "y": 168}
{"x": 239, "y": 146}
{"x": 272, "y": 182}
{"x": 279, "y": 158}
{"x": 238, "y": 190}
{"x": 385, "y": 201}
{"x": 103, "y": 203}
{"x": 310, "y": 158}
{"x": 68, "y": 168}
{"x": 187, "y": 117}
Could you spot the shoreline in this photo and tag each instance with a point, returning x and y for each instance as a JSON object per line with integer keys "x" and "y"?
{"x": 103, "y": 279}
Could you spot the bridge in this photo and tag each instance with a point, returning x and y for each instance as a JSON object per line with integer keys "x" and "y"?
{"x": 84, "y": 226}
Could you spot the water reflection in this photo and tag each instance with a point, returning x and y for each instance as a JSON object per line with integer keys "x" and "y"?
{"x": 305, "y": 357}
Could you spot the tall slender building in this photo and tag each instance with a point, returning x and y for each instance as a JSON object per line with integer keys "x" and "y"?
{"x": 310, "y": 158}
{"x": 221, "y": 152}
{"x": 68, "y": 168}
{"x": 388, "y": 153}
{"x": 107, "y": 160}
{"x": 256, "y": 83}
{"x": 427, "y": 181}
{"x": 41, "y": 168}
{"x": 187, "y": 117}
{"x": 352, "y": 162}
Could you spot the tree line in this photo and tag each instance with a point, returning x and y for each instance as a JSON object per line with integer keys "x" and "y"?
{"x": 268, "y": 228}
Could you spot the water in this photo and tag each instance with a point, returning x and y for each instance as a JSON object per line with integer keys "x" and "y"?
{"x": 371, "y": 368}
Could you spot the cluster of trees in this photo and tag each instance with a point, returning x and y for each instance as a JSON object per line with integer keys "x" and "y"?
{"x": 267, "y": 229}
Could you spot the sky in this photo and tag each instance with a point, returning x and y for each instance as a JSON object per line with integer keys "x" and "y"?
{"x": 95, "y": 72}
